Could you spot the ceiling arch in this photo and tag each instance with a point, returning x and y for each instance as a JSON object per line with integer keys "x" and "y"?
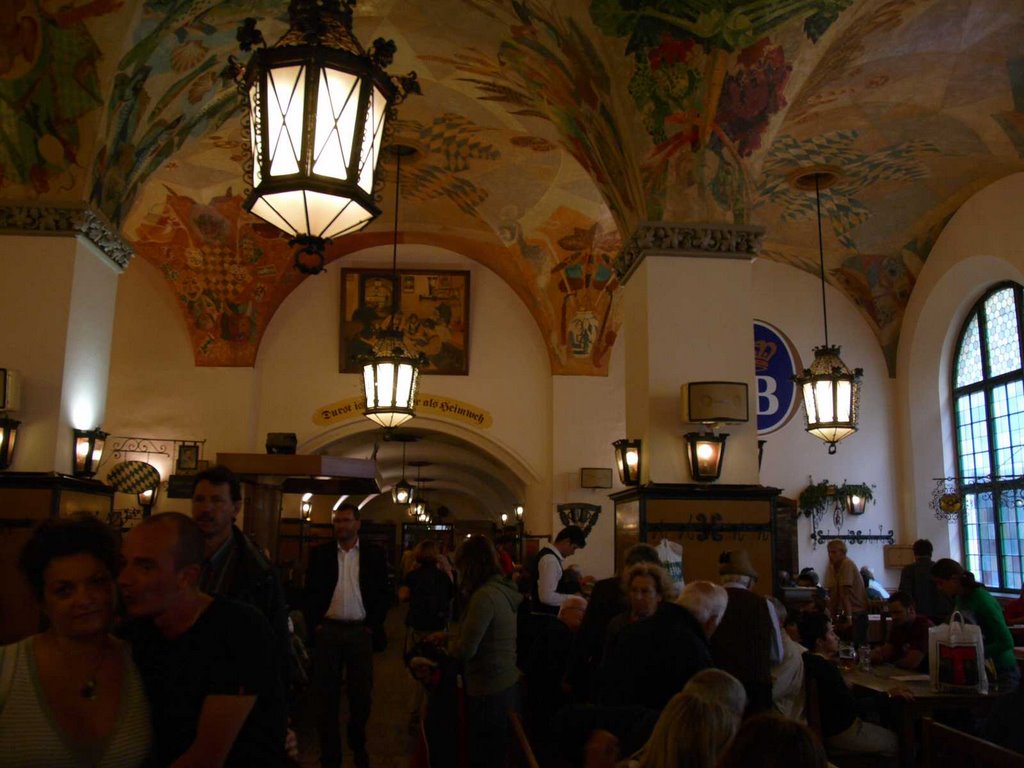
{"x": 553, "y": 128}
{"x": 455, "y": 467}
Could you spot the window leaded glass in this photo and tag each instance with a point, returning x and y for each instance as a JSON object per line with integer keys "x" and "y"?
{"x": 988, "y": 399}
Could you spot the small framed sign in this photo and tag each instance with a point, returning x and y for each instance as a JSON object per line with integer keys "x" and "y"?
{"x": 595, "y": 477}
{"x": 188, "y": 457}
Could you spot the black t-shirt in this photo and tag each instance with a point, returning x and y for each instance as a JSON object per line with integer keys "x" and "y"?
{"x": 837, "y": 707}
{"x": 229, "y": 651}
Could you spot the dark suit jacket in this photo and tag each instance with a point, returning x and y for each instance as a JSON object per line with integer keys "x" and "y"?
{"x": 322, "y": 578}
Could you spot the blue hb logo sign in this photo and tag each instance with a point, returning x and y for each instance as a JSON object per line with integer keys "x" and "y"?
{"x": 775, "y": 361}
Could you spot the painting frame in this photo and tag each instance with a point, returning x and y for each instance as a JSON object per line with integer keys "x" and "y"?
{"x": 431, "y": 307}
{"x": 188, "y": 457}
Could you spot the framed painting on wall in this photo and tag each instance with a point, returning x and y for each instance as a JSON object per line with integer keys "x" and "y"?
{"x": 431, "y": 308}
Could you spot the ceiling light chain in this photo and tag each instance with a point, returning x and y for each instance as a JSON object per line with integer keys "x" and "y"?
{"x": 831, "y": 391}
{"x": 391, "y": 374}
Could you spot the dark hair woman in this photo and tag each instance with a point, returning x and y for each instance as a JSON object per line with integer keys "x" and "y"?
{"x": 977, "y": 603}
{"x": 71, "y": 694}
{"x": 486, "y": 644}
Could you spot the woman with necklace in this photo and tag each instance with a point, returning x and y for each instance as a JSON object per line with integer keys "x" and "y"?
{"x": 70, "y": 695}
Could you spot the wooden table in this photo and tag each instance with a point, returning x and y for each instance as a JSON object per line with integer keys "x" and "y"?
{"x": 908, "y": 712}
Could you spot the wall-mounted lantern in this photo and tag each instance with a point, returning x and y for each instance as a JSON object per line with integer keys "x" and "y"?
{"x": 627, "y": 459}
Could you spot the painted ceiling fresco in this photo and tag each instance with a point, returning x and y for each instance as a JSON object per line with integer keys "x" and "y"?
{"x": 547, "y": 129}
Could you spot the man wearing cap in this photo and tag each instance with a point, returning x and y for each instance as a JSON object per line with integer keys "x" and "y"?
{"x": 550, "y": 591}
{"x": 748, "y": 642}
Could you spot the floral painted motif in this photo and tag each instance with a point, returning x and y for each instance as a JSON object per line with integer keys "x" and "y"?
{"x": 228, "y": 272}
{"x": 707, "y": 80}
{"x": 167, "y": 91}
{"x": 583, "y": 285}
{"x": 48, "y": 84}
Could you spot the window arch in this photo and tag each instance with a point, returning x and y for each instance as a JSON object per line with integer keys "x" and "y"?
{"x": 988, "y": 401}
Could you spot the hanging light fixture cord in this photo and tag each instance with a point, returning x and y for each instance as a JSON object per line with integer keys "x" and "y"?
{"x": 394, "y": 249}
{"x": 821, "y": 254}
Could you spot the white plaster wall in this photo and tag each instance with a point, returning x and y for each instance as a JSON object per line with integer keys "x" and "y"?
{"x": 509, "y": 372}
{"x": 588, "y": 417}
{"x": 789, "y": 299}
{"x": 36, "y": 275}
{"x": 155, "y": 388}
{"x": 57, "y": 311}
{"x": 982, "y": 244}
{"x": 89, "y": 338}
{"x": 695, "y": 326}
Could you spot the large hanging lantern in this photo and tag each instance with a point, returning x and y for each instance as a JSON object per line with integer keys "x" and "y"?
{"x": 831, "y": 391}
{"x": 318, "y": 108}
{"x": 402, "y": 491}
{"x": 389, "y": 382}
{"x": 390, "y": 375}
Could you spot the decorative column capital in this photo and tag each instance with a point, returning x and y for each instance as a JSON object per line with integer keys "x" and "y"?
{"x": 69, "y": 220}
{"x": 694, "y": 240}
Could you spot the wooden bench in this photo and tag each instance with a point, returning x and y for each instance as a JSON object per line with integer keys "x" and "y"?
{"x": 945, "y": 746}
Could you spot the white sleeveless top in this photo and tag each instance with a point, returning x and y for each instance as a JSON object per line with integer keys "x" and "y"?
{"x": 30, "y": 736}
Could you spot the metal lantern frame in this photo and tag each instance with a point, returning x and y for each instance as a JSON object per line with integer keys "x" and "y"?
{"x": 402, "y": 492}
{"x": 390, "y": 379}
{"x": 87, "y": 451}
{"x": 831, "y": 396}
{"x": 831, "y": 391}
{"x": 628, "y": 460}
{"x": 319, "y": 105}
{"x": 8, "y": 440}
{"x": 705, "y": 452}
{"x": 147, "y": 499}
{"x": 391, "y": 374}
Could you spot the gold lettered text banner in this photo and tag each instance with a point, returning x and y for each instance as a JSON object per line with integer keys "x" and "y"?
{"x": 433, "y": 405}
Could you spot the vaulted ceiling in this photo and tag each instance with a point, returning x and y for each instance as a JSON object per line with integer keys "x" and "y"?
{"x": 547, "y": 131}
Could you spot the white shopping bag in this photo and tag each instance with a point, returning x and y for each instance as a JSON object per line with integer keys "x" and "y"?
{"x": 671, "y": 555}
{"x": 956, "y": 657}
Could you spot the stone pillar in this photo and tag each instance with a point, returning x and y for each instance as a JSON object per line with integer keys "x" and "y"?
{"x": 687, "y": 292}
{"x": 59, "y": 269}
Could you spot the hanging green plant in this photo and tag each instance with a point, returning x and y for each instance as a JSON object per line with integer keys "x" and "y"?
{"x": 814, "y": 498}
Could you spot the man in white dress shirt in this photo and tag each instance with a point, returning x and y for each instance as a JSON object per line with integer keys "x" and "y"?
{"x": 347, "y": 599}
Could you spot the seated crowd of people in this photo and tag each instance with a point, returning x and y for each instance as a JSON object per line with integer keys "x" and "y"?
{"x": 175, "y": 648}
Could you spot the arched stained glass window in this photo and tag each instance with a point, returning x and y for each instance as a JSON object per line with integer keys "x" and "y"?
{"x": 988, "y": 396}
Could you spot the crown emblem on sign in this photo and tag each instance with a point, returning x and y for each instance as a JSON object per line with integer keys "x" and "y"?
{"x": 764, "y": 351}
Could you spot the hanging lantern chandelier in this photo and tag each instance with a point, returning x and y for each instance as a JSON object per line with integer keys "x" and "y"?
{"x": 318, "y": 108}
{"x": 390, "y": 375}
{"x": 402, "y": 491}
{"x": 831, "y": 391}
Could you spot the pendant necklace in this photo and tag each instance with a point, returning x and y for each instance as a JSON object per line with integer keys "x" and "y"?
{"x": 88, "y": 690}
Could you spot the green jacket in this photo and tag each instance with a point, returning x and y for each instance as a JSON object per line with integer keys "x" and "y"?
{"x": 989, "y": 616}
{"x": 486, "y": 638}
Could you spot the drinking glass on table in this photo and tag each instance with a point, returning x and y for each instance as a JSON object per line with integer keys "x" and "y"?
{"x": 864, "y": 654}
{"x": 847, "y": 656}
